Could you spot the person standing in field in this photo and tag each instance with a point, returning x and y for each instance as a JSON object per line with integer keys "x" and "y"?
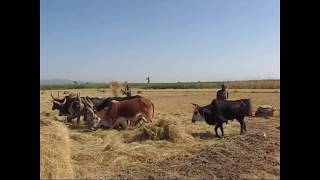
{"x": 126, "y": 91}
{"x": 148, "y": 81}
{"x": 222, "y": 94}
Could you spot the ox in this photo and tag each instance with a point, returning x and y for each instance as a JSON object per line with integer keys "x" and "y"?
{"x": 69, "y": 106}
{"x": 62, "y": 104}
{"x": 131, "y": 110}
{"x": 220, "y": 111}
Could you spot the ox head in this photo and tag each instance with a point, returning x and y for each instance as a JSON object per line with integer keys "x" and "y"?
{"x": 198, "y": 113}
{"x": 58, "y": 103}
{"x": 75, "y": 108}
{"x": 90, "y": 114}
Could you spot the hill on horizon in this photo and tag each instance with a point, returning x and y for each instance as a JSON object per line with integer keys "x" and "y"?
{"x": 58, "y": 81}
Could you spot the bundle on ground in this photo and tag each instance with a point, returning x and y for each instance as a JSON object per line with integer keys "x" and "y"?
{"x": 163, "y": 130}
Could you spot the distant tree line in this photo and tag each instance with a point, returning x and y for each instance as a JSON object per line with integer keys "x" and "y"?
{"x": 252, "y": 84}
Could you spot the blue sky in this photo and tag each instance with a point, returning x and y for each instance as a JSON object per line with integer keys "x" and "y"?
{"x": 168, "y": 40}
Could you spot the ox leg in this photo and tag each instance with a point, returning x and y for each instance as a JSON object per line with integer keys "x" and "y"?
{"x": 69, "y": 120}
{"x": 216, "y": 130}
{"x": 241, "y": 125}
{"x": 141, "y": 119}
{"x": 221, "y": 128}
{"x": 116, "y": 122}
{"x": 78, "y": 120}
{"x": 223, "y": 119}
{"x": 124, "y": 125}
{"x": 146, "y": 119}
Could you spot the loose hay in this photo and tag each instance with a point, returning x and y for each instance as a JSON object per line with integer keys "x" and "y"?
{"x": 114, "y": 85}
{"x": 163, "y": 130}
{"x": 54, "y": 151}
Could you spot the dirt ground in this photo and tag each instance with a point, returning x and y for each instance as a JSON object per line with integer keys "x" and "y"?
{"x": 193, "y": 153}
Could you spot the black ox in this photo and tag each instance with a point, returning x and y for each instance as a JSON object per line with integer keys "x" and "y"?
{"x": 220, "y": 111}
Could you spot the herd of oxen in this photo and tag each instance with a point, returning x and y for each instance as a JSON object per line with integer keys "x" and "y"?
{"x": 134, "y": 111}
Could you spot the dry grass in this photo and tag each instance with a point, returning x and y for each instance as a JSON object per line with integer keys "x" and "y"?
{"x": 172, "y": 146}
{"x": 163, "y": 130}
{"x": 55, "y": 160}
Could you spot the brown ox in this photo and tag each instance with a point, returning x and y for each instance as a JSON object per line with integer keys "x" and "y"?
{"x": 130, "y": 111}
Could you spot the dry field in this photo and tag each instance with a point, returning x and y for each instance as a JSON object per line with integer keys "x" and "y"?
{"x": 170, "y": 147}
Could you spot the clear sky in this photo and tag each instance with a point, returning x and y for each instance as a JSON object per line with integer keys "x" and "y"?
{"x": 168, "y": 40}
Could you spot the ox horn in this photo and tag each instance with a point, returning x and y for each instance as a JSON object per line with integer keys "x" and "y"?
{"x": 65, "y": 100}
{"x": 79, "y": 99}
{"x": 194, "y": 104}
{"x": 52, "y": 97}
{"x": 88, "y": 102}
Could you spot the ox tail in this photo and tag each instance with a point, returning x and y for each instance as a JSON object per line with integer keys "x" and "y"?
{"x": 152, "y": 110}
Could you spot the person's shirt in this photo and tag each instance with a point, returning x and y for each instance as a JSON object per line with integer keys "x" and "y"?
{"x": 222, "y": 94}
{"x": 128, "y": 92}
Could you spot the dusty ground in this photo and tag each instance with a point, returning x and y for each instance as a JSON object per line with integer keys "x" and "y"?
{"x": 194, "y": 153}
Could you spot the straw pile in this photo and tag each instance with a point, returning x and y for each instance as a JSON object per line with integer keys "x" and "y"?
{"x": 54, "y": 151}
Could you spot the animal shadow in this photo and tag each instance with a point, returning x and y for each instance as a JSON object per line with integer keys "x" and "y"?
{"x": 204, "y": 135}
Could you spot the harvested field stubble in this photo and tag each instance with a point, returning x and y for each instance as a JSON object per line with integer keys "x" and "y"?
{"x": 170, "y": 147}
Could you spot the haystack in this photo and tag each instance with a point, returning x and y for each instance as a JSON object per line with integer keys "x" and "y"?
{"x": 55, "y": 160}
{"x": 114, "y": 85}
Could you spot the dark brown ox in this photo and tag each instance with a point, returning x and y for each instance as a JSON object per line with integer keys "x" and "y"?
{"x": 125, "y": 112}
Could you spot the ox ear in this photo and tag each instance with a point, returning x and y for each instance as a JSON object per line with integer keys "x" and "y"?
{"x": 195, "y": 105}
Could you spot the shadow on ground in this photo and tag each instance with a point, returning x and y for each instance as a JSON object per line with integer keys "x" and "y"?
{"x": 204, "y": 135}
